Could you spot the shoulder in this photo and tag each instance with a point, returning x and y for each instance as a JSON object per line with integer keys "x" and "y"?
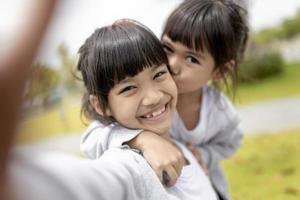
{"x": 98, "y": 138}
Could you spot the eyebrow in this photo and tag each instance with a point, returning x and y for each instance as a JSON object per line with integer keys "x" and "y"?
{"x": 128, "y": 78}
{"x": 188, "y": 52}
{"x": 157, "y": 66}
{"x": 125, "y": 80}
{"x": 195, "y": 54}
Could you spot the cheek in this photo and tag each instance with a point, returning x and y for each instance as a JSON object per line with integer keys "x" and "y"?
{"x": 123, "y": 110}
{"x": 171, "y": 89}
{"x": 174, "y": 90}
{"x": 170, "y": 86}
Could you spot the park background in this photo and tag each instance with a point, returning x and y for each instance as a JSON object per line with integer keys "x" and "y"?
{"x": 268, "y": 97}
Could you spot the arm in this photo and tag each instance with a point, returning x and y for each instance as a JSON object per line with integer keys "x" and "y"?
{"x": 222, "y": 146}
{"x": 161, "y": 154}
{"x": 164, "y": 157}
{"x": 224, "y": 134}
{"x": 14, "y": 69}
{"x": 118, "y": 174}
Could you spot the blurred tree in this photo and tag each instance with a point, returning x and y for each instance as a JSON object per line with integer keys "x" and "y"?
{"x": 286, "y": 30}
{"x": 41, "y": 85}
{"x": 291, "y": 27}
{"x": 67, "y": 70}
{"x": 260, "y": 63}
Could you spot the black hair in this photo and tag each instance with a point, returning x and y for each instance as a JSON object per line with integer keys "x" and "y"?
{"x": 220, "y": 26}
{"x": 113, "y": 53}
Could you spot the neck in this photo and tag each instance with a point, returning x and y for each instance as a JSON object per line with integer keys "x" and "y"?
{"x": 190, "y": 98}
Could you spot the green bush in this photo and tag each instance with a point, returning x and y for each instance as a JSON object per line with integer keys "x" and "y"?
{"x": 286, "y": 30}
{"x": 257, "y": 68}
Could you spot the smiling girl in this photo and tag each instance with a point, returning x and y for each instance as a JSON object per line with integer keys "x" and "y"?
{"x": 126, "y": 74}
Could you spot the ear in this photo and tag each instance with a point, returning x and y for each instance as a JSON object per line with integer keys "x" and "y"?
{"x": 94, "y": 101}
{"x": 228, "y": 66}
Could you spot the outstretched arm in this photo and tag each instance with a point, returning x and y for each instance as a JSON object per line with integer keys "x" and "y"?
{"x": 14, "y": 69}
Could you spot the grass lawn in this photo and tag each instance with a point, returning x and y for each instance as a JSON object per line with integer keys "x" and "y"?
{"x": 266, "y": 167}
{"x": 282, "y": 86}
{"x": 60, "y": 120}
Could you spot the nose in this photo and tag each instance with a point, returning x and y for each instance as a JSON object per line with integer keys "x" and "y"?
{"x": 152, "y": 96}
{"x": 174, "y": 65}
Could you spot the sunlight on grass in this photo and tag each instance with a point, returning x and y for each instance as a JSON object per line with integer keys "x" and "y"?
{"x": 266, "y": 167}
{"x": 282, "y": 86}
{"x": 61, "y": 120}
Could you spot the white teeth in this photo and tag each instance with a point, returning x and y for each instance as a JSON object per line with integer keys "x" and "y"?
{"x": 158, "y": 112}
{"x": 154, "y": 114}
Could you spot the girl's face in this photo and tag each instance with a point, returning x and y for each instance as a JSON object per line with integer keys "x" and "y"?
{"x": 145, "y": 101}
{"x": 192, "y": 69}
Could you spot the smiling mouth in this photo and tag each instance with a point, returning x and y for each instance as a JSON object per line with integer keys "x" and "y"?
{"x": 156, "y": 114}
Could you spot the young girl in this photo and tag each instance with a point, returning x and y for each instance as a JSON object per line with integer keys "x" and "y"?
{"x": 125, "y": 71}
{"x": 204, "y": 41}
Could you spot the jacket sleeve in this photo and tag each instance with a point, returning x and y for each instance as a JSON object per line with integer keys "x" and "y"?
{"x": 222, "y": 146}
{"x": 63, "y": 177}
{"x": 98, "y": 138}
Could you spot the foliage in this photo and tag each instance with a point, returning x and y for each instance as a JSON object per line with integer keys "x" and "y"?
{"x": 67, "y": 70}
{"x": 287, "y": 29}
{"x": 42, "y": 84}
{"x": 258, "y": 67}
{"x": 284, "y": 85}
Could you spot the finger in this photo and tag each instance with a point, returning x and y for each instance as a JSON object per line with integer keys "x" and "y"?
{"x": 190, "y": 145}
{"x": 166, "y": 178}
{"x": 198, "y": 156}
{"x": 172, "y": 175}
{"x": 178, "y": 163}
{"x": 159, "y": 173}
{"x": 206, "y": 171}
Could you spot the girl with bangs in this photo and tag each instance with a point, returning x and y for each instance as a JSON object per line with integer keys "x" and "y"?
{"x": 128, "y": 84}
{"x": 204, "y": 41}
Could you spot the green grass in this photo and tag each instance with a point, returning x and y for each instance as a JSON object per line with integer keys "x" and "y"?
{"x": 266, "y": 167}
{"x": 284, "y": 85}
{"x": 61, "y": 120}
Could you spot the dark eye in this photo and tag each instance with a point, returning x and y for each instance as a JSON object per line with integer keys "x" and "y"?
{"x": 191, "y": 59}
{"x": 159, "y": 74}
{"x": 127, "y": 89}
{"x": 167, "y": 49}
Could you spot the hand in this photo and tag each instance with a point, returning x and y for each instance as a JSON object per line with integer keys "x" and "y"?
{"x": 164, "y": 157}
{"x": 198, "y": 156}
